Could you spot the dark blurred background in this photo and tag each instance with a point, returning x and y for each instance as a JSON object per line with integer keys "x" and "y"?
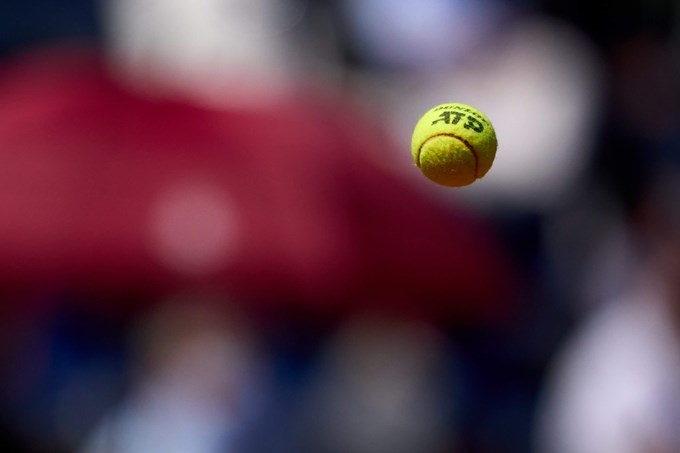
{"x": 212, "y": 238}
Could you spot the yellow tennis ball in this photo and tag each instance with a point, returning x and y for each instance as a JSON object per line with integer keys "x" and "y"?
{"x": 454, "y": 144}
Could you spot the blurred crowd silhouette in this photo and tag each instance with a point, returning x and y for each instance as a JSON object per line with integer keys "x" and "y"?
{"x": 212, "y": 238}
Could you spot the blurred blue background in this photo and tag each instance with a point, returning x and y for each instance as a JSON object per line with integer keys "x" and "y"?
{"x": 213, "y": 239}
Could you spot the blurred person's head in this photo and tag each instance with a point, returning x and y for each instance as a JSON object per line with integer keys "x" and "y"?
{"x": 199, "y": 348}
{"x": 195, "y": 385}
{"x": 382, "y": 389}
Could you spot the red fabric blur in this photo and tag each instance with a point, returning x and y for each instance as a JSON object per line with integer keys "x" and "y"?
{"x": 316, "y": 219}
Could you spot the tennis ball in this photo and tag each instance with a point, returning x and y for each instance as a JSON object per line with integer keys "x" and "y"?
{"x": 454, "y": 144}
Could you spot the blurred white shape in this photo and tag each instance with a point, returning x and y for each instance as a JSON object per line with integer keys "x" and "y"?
{"x": 545, "y": 110}
{"x": 216, "y": 51}
{"x": 614, "y": 388}
{"x": 194, "y": 228}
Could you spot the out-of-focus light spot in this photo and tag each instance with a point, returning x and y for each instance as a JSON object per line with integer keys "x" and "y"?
{"x": 418, "y": 34}
{"x": 195, "y": 228}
